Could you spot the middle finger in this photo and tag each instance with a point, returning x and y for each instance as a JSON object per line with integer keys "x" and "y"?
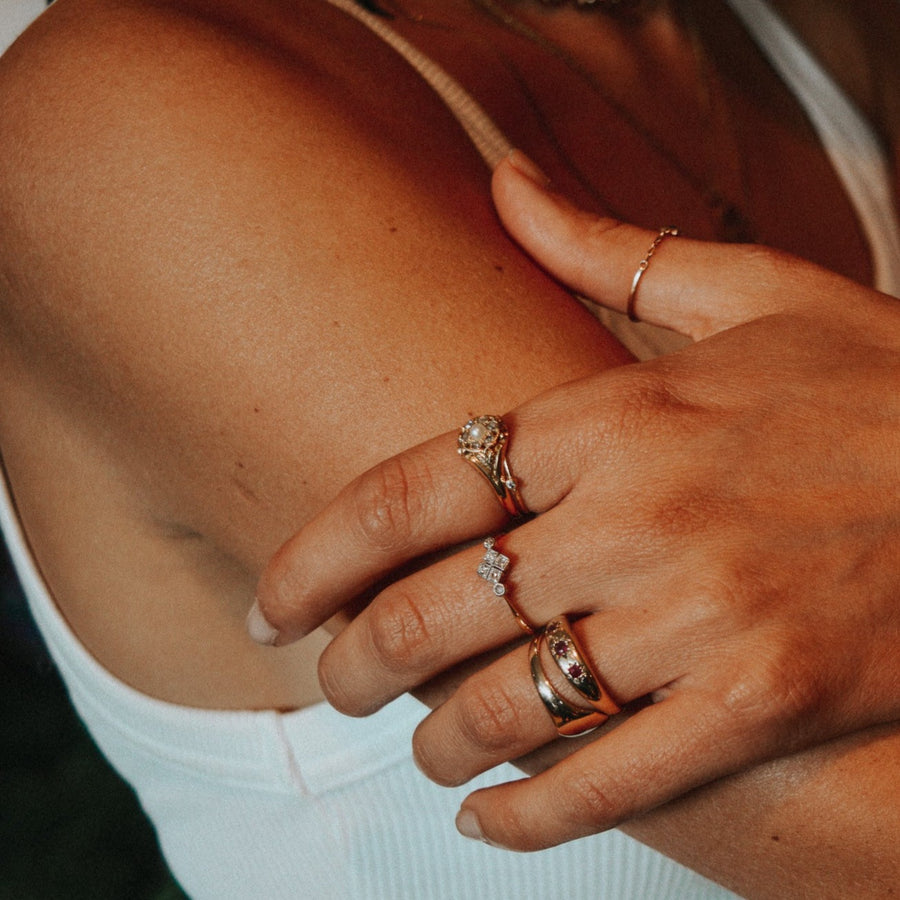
{"x": 425, "y": 624}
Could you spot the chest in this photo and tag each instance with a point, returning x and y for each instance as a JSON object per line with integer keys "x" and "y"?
{"x": 658, "y": 122}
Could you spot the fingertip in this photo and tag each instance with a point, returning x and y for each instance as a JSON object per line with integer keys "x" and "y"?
{"x": 490, "y": 821}
{"x": 259, "y": 628}
{"x": 518, "y": 182}
{"x": 574, "y": 244}
{"x": 469, "y": 826}
{"x": 272, "y": 620}
{"x": 518, "y": 186}
{"x": 525, "y": 165}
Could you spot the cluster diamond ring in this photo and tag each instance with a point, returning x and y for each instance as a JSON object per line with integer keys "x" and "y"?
{"x": 492, "y": 569}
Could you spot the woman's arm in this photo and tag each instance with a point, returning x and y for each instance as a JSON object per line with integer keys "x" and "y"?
{"x": 237, "y": 272}
{"x": 819, "y": 824}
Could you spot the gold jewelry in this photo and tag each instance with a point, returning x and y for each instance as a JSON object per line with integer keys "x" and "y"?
{"x": 569, "y": 720}
{"x": 482, "y": 442}
{"x": 492, "y": 568}
{"x": 644, "y": 264}
{"x": 568, "y": 655}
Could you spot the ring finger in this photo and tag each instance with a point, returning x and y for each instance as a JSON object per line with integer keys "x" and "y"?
{"x": 497, "y": 715}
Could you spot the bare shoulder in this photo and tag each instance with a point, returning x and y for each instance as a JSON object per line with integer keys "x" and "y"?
{"x": 246, "y": 253}
{"x": 226, "y": 221}
{"x": 152, "y": 91}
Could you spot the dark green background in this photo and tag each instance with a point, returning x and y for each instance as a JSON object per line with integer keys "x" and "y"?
{"x": 70, "y": 828}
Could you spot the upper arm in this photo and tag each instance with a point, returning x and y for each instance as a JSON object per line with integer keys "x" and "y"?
{"x": 244, "y": 266}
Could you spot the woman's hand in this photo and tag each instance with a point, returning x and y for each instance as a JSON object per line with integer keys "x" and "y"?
{"x": 725, "y": 522}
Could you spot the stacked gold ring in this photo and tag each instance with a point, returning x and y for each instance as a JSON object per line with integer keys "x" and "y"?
{"x": 570, "y": 720}
{"x": 482, "y": 442}
{"x": 570, "y": 658}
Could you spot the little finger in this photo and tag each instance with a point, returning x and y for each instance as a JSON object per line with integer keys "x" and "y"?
{"x": 660, "y": 753}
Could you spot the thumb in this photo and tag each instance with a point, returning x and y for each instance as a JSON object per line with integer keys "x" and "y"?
{"x": 697, "y": 288}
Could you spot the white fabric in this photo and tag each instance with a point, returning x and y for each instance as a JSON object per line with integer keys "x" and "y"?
{"x": 269, "y": 805}
{"x": 313, "y": 804}
{"x": 15, "y": 17}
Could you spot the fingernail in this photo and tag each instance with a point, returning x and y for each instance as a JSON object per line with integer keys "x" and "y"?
{"x": 259, "y": 629}
{"x": 467, "y": 825}
{"x": 528, "y": 167}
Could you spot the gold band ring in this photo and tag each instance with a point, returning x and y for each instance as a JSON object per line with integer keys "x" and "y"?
{"x": 482, "y": 442}
{"x": 644, "y": 264}
{"x": 569, "y": 720}
{"x": 570, "y": 658}
{"x": 492, "y": 568}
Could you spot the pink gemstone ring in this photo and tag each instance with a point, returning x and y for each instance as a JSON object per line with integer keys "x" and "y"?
{"x": 569, "y": 657}
{"x": 569, "y": 720}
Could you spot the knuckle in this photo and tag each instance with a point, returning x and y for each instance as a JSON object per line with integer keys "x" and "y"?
{"x": 646, "y": 396}
{"x": 682, "y": 511}
{"x": 431, "y": 761}
{"x": 777, "y": 696}
{"x": 723, "y": 599}
{"x": 594, "y": 806}
{"x": 335, "y": 685}
{"x": 436, "y": 760}
{"x": 515, "y": 828}
{"x": 489, "y": 718}
{"x": 793, "y": 688}
{"x": 772, "y": 273}
{"x": 767, "y": 261}
{"x": 648, "y": 400}
{"x": 386, "y": 503}
{"x": 728, "y": 594}
{"x": 399, "y": 635}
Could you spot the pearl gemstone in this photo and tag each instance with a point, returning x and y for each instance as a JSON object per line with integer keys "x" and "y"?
{"x": 476, "y": 433}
